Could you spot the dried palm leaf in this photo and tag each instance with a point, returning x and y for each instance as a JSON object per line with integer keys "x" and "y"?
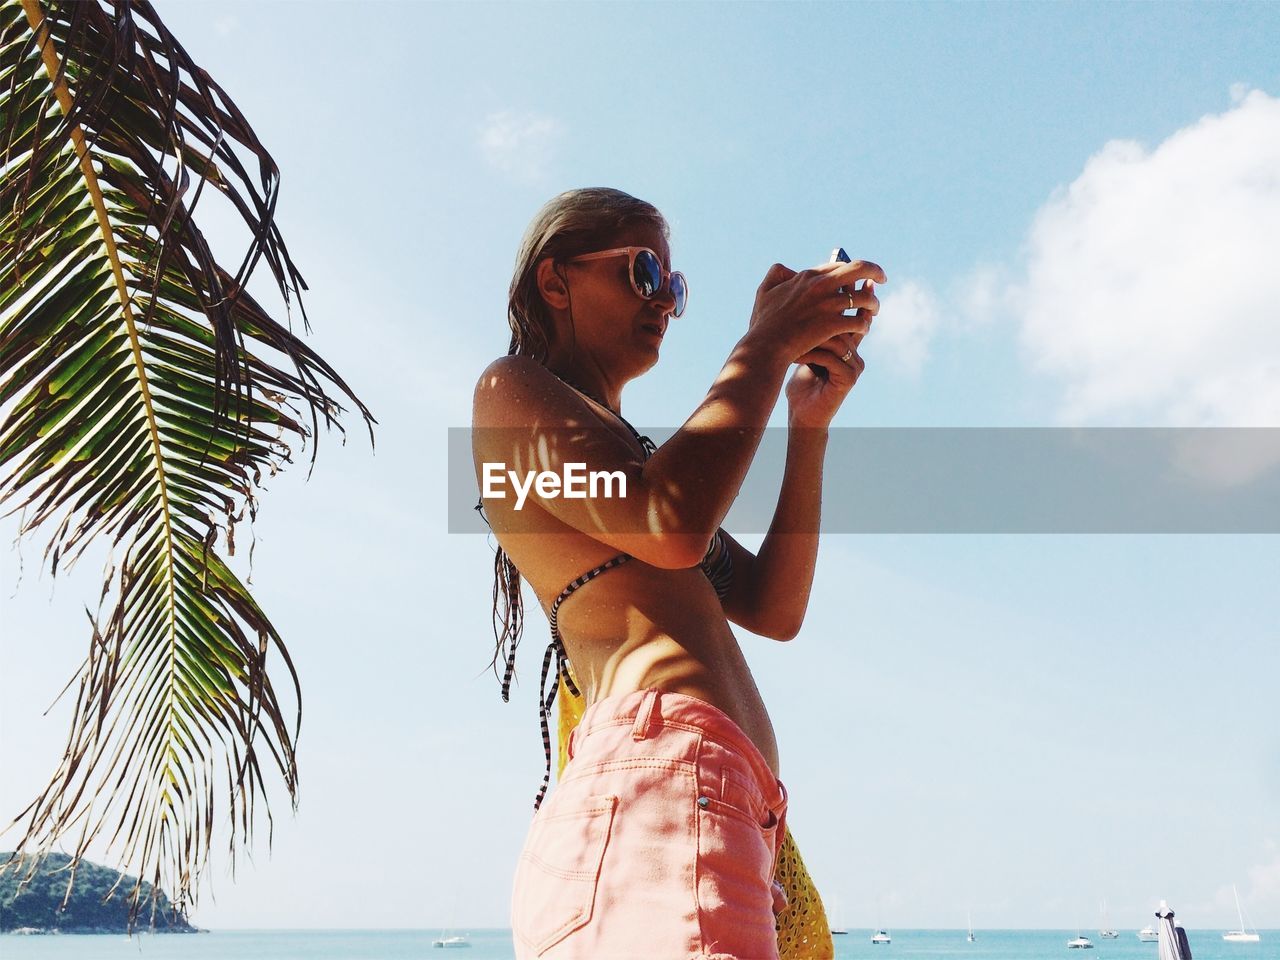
{"x": 144, "y": 393}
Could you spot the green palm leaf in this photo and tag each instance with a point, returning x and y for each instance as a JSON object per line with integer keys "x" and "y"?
{"x": 144, "y": 392}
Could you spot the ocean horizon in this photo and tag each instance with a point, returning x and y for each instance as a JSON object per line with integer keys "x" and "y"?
{"x": 495, "y": 944}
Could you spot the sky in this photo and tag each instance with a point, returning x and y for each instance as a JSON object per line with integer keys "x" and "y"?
{"x": 1078, "y": 209}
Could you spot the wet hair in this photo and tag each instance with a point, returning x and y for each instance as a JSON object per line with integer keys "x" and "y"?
{"x": 573, "y": 223}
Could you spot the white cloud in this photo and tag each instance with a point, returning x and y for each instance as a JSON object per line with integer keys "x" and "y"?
{"x": 1151, "y": 286}
{"x": 1260, "y": 893}
{"x": 910, "y": 315}
{"x": 980, "y": 296}
{"x": 1264, "y": 883}
{"x": 521, "y": 145}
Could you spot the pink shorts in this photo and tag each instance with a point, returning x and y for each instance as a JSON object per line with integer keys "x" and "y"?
{"x": 658, "y": 842}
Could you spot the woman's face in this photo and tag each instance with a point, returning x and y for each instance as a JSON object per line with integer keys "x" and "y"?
{"x": 611, "y": 322}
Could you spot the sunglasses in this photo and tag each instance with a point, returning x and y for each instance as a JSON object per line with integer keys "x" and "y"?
{"x": 648, "y": 279}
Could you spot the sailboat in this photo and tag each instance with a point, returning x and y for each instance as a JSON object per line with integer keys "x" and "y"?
{"x": 1081, "y": 942}
{"x": 838, "y": 929}
{"x": 881, "y": 935}
{"x": 970, "y": 918}
{"x": 448, "y": 939}
{"x": 1241, "y": 935}
{"x": 455, "y": 941}
{"x": 1107, "y": 932}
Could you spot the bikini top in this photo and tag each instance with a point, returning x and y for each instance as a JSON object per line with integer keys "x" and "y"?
{"x": 716, "y": 564}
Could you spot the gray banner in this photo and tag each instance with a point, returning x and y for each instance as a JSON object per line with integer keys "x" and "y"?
{"x": 976, "y": 480}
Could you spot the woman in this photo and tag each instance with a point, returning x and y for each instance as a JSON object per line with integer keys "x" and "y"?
{"x": 662, "y": 835}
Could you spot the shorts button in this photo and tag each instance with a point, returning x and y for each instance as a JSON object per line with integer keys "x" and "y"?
{"x": 704, "y": 802}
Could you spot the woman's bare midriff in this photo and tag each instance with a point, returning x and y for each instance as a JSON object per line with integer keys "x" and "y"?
{"x": 637, "y": 627}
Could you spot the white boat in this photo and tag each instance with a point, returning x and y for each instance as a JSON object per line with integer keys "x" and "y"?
{"x": 1080, "y": 943}
{"x": 1107, "y": 932}
{"x": 881, "y": 936}
{"x": 970, "y": 918}
{"x": 1148, "y": 934}
{"x": 455, "y": 941}
{"x": 1242, "y": 935}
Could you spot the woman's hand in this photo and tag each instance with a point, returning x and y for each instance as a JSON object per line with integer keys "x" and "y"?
{"x": 814, "y": 399}
{"x": 796, "y": 313}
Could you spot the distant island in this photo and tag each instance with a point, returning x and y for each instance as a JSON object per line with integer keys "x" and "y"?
{"x": 38, "y": 907}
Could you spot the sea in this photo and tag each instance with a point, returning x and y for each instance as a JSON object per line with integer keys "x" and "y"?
{"x": 496, "y": 945}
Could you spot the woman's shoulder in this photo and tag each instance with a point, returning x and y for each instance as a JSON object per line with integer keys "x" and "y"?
{"x": 507, "y": 370}
{"x": 520, "y": 387}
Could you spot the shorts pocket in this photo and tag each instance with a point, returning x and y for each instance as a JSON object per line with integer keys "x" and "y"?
{"x": 743, "y": 796}
{"x": 559, "y": 870}
{"x": 735, "y": 879}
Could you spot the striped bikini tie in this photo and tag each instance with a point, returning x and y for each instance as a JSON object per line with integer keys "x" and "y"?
{"x": 556, "y": 652}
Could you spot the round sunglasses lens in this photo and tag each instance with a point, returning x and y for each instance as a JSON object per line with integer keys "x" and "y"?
{"x": 679, "y": 293}
{"x": 647, "y": 274}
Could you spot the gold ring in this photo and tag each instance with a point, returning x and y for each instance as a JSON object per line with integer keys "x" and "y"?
{"x": 851, "y": 306}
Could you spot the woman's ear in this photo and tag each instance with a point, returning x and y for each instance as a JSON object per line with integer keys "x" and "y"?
{"x": 552, "y": 285}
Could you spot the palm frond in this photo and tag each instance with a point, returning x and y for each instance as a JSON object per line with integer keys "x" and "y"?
{"x": 144, "y": 394}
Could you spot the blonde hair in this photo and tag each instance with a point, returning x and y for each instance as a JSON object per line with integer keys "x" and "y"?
{"x": 576, "y": 221}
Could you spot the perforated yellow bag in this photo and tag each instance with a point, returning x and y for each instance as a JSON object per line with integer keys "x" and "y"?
{"x": 803, "y": 933}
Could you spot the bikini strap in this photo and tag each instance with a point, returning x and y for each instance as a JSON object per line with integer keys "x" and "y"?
{"x": 555, "y": 649}
{"x": 572, "y": 586}
{"x": 647, "y": 445}
{"x": 556, "y": 652}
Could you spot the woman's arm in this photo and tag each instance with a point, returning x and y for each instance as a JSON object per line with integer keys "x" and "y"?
{"x": 770, "y": 590}
{"x": 677, "y": 499}
{"x": 528, "y": 421}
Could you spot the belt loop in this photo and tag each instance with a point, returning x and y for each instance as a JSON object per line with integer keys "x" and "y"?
{"x": 644, "y": 715}
{"x": 780, "y": 836}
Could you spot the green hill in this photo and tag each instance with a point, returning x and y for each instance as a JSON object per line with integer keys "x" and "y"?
{"x": 38, "y": 906}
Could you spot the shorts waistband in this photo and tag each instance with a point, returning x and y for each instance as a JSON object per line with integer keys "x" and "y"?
{"x": 646, "y": 710}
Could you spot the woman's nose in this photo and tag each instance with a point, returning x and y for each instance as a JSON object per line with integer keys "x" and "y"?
{"x": 664, "y": 297}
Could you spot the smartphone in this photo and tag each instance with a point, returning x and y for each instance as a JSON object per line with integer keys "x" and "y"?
{"x": 837, "y": 256}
